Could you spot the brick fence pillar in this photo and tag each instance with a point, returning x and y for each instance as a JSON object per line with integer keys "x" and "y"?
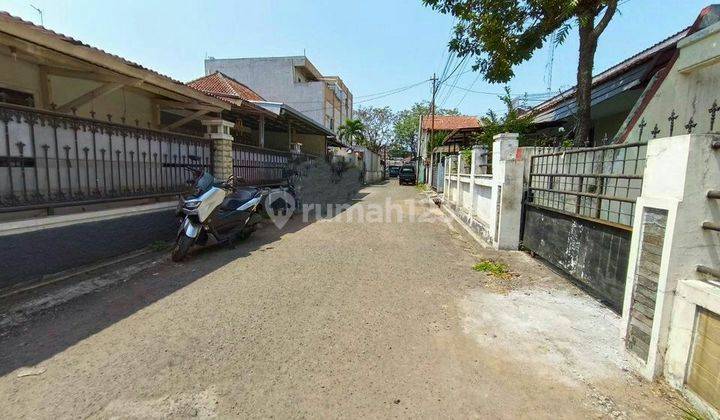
{"x": 218, "y": 131}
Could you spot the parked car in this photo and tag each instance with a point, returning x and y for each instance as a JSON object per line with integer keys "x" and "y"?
{"x": 394, "y": 171}
{"x": 407, "y": 175}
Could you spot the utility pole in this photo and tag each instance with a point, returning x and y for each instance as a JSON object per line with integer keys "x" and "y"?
{"x": 432, "y": 124}
{"x": 432, "y": 108}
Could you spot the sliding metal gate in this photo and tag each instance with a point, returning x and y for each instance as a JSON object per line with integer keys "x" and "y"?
{"x": 579, "y": 211}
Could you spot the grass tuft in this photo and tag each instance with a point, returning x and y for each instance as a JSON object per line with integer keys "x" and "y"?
{"x": 421, "y": 187}
{"x": 496, "y": 269}
{"x": 690, "y": 413}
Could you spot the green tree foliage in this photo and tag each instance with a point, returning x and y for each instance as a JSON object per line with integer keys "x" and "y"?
{"x": 502, "y": 33}
{"x": 514, "y": 121}
{"x": 378, "y": 123}
{"x": 352, "y": 131}
{"x": 437, "y": 139}
{"x": 407, "y": 125}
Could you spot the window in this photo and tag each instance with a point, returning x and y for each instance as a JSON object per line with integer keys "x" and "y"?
{"x": 16, "y": 97}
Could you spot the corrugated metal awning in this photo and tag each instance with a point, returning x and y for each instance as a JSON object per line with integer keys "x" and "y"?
{"x": 600, "y": 93}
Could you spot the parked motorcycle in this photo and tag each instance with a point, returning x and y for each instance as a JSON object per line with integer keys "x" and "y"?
{"x": 217, "y": 210}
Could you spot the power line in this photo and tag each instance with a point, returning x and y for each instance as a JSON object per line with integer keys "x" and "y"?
{"x": 386, "y": 94}
{"x": 467, "y": 91}
{"x": 457, "y": 78}
{"x": 476, "y": 91}
{"x": 393, "y": 90}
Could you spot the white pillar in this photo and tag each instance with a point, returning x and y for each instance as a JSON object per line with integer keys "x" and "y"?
{"x": 507, "y": 192}
{"x": 430, "y": 171}
{"x": 475, "y": 161}
{"x": 446, "y": 176}
{"x": 667, "y": 246}
{"x": 458, "y": 185}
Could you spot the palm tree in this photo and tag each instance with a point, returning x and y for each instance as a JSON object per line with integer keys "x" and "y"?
{"x": 353, "y": 131}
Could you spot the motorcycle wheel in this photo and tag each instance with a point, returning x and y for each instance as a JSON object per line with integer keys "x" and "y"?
{"x": 182, "y": 246}
{"x": 244, "y": 234}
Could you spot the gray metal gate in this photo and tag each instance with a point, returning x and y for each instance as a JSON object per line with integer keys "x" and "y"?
{"x": 439, "y": 178}
{"x": 579, "y": 212}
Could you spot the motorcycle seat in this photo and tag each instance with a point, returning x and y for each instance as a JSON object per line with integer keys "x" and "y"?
{"x": 239, "y": 197}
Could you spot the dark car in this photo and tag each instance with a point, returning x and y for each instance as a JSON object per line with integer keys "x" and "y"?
{"x": 407, "y": 175}
{"x": 394, "y": 171}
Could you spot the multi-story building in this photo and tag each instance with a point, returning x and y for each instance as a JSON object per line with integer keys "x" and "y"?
{"x": 294, "y": 81}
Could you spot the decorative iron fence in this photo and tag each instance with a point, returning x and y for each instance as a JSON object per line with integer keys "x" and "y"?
{"x": 48, "y": 159}
{"x": 258, "y": 166}
{"x": 598, "y": 183}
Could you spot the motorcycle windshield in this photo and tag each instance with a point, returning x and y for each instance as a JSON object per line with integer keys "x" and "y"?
{"x": 205, "y": 182}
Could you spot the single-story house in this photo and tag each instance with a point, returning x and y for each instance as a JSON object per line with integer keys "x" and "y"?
{"x": 81, "y": 128}
{"x": 646, "y": 96}
{"x": 262, "y": 123}
{"x": 456, "y": 132}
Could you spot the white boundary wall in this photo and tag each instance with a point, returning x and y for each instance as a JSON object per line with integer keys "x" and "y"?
{"x": 679, "y": 173}
{"x": 488, "y": 204}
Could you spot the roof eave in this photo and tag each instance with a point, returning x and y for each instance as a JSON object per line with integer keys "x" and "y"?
{"x": 279, "y": 108}
{"x": 31, "y": 33}
{"x": 613, "y": 72}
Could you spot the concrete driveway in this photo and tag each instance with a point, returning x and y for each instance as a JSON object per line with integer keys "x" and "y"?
{"x": 331, "y": 318}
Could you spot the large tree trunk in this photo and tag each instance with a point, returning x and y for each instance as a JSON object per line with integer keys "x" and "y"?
{"x": 589, "y": 34}
{"x": 588, "y": 45}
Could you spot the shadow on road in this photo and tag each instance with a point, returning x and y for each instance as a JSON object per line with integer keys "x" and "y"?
{"x": 65, "y": 325}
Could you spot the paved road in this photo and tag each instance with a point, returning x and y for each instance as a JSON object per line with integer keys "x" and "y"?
{"x": 328, "y": 319}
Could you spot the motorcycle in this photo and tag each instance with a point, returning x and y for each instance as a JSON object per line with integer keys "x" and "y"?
{"x": 218, "y": 210}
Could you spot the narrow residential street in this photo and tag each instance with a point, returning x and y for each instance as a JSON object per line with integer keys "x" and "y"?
{"x": 330, "y": 319}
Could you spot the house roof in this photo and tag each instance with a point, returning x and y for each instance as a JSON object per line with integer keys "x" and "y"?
{"x": 614, "y": 71}
{"x": 222, "y": 85}
{"x": 56, "y": 42}
{"x": 301, "y": 122}
{"x": 450, "y": 122}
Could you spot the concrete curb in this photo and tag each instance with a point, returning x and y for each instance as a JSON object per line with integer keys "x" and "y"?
{"x": 31, "y": 225}
{"x": 68, "y": 274}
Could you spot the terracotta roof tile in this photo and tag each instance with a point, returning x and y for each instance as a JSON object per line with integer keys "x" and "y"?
{"x": 450, "y": 122}
{"x": 221, "y": 85}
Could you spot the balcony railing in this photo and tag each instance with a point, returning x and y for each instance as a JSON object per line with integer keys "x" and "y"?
{"x": 48, "y": 159}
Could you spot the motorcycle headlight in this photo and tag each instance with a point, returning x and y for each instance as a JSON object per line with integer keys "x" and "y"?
{"x": 191, "y": 204}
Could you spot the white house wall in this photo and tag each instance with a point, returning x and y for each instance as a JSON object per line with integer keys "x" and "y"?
{"x": 688, "y": 90}
{"x": 274, "y": 80}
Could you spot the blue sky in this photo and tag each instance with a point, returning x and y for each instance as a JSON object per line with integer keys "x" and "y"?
{"x": 374, "y": 45}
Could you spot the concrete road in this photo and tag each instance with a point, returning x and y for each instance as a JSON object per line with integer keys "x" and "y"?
{"x": 331, "y": 318}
